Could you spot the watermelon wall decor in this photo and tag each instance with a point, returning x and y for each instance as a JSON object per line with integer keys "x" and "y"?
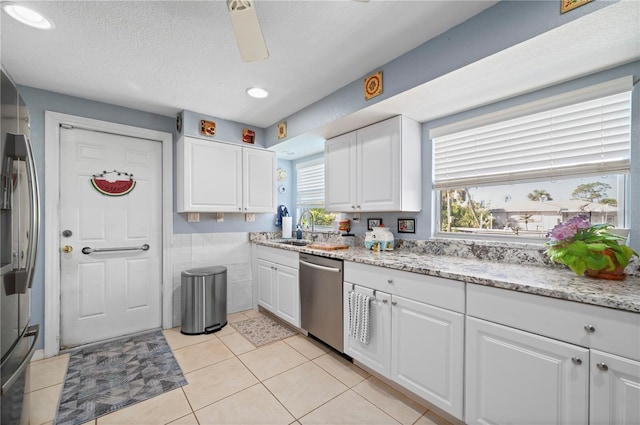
{"x": 113, "y": 188}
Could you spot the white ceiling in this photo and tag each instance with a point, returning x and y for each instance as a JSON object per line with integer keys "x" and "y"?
{"x": 166, "y": 56}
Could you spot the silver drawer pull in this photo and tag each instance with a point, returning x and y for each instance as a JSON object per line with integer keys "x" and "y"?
{"x": 590, "y": 328}
{"x": 602, "y": 366}
{"x": 576, "y": 360}
{"x": 87, "y": 250}
{"x": 390, "y": 281}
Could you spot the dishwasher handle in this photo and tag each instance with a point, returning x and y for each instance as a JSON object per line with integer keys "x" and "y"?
{"x": 319, "y": 267}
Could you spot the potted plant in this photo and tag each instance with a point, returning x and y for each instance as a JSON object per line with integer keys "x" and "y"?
{"x": 589, "y": 249}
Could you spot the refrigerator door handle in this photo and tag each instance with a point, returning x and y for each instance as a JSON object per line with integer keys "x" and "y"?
{"x": 34, "y": 223}
{"x": 33, "y": 331}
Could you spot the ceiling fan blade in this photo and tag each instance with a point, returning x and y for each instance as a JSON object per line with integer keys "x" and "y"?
{"x": 247, "y": 30}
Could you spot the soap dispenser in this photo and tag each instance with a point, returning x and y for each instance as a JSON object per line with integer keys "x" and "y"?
{"x": 298, "y": 232}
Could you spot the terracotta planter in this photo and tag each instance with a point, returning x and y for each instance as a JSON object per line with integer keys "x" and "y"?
{"x": 615, "y": 274}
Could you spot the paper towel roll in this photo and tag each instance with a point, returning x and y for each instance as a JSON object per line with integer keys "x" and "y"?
{"x": 286, "y": 227}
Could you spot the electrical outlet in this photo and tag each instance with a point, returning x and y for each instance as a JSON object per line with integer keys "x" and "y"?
{"x": 219, "y": 217}
{"x": 249, "y": 217}
{"x": 193, "y": 217}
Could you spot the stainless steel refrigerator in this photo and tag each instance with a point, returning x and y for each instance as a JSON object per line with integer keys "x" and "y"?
{"x": 19, "y": 225}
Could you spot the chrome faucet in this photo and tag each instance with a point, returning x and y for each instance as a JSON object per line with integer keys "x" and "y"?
{"x": 313, "y": 221}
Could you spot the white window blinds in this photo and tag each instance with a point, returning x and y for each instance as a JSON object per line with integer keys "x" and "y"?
{"x": 310, "y": 183}
{"x": 589, "y": 137}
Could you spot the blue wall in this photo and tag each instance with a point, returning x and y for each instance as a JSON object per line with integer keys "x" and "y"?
{"x": 38, "y": 101}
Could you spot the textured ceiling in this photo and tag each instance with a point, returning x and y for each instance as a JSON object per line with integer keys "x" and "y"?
{"x": 165, "y": 56}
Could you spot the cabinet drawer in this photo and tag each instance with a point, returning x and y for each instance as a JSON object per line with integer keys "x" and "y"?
{"x": 613, "y": 331}
{"x": 436, "y": 291}
{"x": 278, "y": 256}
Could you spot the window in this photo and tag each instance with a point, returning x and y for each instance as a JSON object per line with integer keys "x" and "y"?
{"x": 541, "y": 165}
{"x": 310, "y": 193}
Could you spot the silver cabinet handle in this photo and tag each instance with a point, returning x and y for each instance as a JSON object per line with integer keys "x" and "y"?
{"x": 394, "y": 303}
{"x": 87, "y": 250}
{"x": 602, "y": 366}
{"x": 385, "y": 301}
{"x": 390, "y": 281}
{"x": 576, "y": 360}
{"x": 590, "y": 328}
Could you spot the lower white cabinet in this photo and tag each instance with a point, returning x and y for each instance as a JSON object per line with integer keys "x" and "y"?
{"x": 376, "y": 355}
{"x": 427, "y": 352}
{"x": 515, "y": 377}
{"x": 277, "y": 281}
{"x": 615, "y": 390}
{"x": 413, "y": 340}
{"x": 533, "y": 359}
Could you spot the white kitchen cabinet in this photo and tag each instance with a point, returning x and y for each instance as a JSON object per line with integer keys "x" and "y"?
{"x": 266, "y": 285}
{"x": 376, "y": 355}
{"x": 277, "y": 281}
{"x": 615, "y": 390}
{"x": 259, "y": 181}
{"x": 541, "y": 348}
{"x": 518, "y": 377}
{"x": 427, "y": 352}
{"x": 222, "y": 177}
{"x": 375, "y": 168}
{"x": 417, "y": 336}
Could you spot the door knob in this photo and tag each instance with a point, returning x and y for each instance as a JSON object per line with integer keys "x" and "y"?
{"x": 67, "y": 249}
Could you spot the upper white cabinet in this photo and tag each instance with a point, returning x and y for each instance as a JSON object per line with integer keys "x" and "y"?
{"x": 221, "y": 177}
{"x": 375, "y": 168}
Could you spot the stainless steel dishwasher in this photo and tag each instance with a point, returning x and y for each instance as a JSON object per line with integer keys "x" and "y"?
{"x": 321, "y": 299}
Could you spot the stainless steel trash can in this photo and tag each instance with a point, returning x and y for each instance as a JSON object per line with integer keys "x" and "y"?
{"x": 204, "y": 300}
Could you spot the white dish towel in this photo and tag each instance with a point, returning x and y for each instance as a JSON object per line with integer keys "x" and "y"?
{"x": 359, "y": 316}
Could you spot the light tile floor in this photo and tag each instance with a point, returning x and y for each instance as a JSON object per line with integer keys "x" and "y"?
{"x": 293, "y": 381}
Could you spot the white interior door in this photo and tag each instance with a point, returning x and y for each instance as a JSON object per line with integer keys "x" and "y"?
{"x": 113, "y": 293}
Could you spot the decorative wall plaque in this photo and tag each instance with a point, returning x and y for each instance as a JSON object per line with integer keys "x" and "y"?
{"x": 568, "y": 5}
{"x": 248, "y": 136}
{"x": 282, "y": 130}
{"x": 113, "y": 186}
{"x": 373, "y": 85}
{"x": 207, "y": 128}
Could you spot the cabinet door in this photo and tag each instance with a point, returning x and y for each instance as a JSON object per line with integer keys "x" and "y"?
{"x": 615, "y": 390}
{"x": 379, "y": 167}
{"x": 266, "y": 288}
{"x": 209, "y": 176}
{"x": 515, "y": 377}
{"x": 287, "y": 294}
{"x": 377, "y": 353}
{"x": 340, "y": 173}
{"x": 259, "y": 172}
{"x": 427, "y": 352}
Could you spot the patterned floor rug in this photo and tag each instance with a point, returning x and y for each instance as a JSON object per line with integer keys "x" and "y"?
{"x": 262, "y": 330}
{"x": 106, "y": 377}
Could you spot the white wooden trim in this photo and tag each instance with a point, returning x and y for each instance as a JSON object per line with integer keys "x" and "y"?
{"x": 52, "y": 213}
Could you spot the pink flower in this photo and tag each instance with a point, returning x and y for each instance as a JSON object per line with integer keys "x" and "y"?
{"x": 566, "y": 231}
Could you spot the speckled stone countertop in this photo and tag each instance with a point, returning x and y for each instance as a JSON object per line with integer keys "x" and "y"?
{"x": 549, "y": 281}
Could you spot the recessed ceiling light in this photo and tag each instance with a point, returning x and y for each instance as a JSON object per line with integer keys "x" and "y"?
{"x": 257, "y": 92}
{"x": 27, "y": 16}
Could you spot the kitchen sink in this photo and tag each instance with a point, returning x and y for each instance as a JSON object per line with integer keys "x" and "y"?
{"x": 294, "y": 242}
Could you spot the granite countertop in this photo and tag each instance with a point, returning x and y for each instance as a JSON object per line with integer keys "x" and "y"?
{"x": 556, "y": 282}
